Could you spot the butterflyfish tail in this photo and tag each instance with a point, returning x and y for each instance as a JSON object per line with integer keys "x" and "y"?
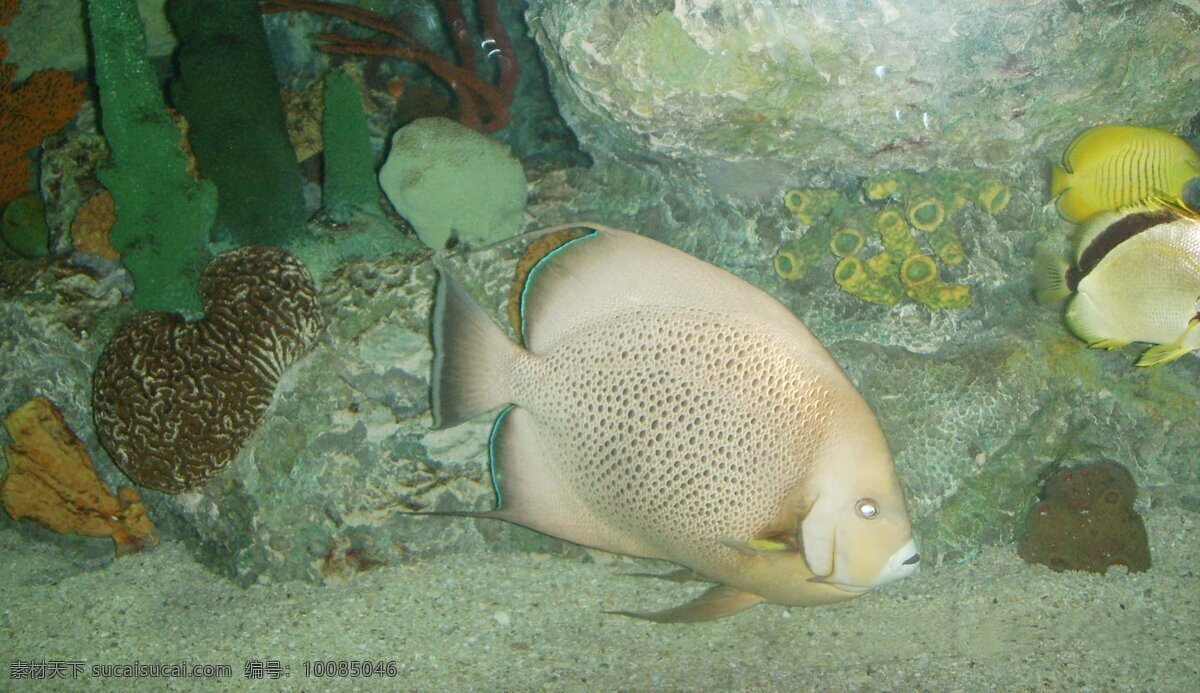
{"x": 1050, "y": 276}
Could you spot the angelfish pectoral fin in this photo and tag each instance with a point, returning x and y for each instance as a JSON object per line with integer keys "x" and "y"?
{"x": 716, "y": 602}
{"x": 828, "y": 580}
{"x": 758, "y": 546}
{"x": 818, "y": 541}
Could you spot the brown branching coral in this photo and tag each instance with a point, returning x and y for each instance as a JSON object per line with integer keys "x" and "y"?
{"x": 29, "y": 113}
{"x": 482, "y": 105}
{"x": 51, "y": 479}
{"x": 174, "y": 401}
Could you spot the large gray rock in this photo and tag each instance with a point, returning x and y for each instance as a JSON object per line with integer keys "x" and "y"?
{"x": 749, "y": 91}
{"x": 325, "y": 486}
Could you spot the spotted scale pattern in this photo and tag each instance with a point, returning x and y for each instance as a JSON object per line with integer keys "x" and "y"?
{"x": 694, "y": 428}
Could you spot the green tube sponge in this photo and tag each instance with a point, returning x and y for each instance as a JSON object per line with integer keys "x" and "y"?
{"x": 163, "y": 214}
{"x": 919, "y": 274}
{"x": 446, "y": 179}
{"x": 227, "y": 88}
{"x": 896, "y": 235}
{"x": 994, "y": 196}
{"x": 890, "y": 221}
{"x": 847, "y": 240}
{"x": 813, "y": 246}
{"x": 795, "y": 258}
{"x": 918, "y": 270}
{"x": 789, "y": 264}
{"x": 926, "y": 211}
{"x": 350, "y": 185}
{"x": 940, "y": 295}
{"x": 810, "y": 204}
{"x": 861, "y": 280}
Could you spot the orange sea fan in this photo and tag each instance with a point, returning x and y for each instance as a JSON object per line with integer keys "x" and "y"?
{"x": 51, "y": 479}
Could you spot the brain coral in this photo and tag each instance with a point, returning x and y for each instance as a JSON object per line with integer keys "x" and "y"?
{"x": 1086, "y": 521}
{"x": 174, "y": 401}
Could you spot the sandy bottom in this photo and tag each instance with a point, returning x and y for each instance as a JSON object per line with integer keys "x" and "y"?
{"x": 514, "y": 621}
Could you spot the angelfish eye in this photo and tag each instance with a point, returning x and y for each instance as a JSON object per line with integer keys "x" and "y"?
{"x": 867, "y": 508}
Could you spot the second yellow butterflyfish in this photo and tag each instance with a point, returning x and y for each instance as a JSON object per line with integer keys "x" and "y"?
{"x": 1113, "y": 166}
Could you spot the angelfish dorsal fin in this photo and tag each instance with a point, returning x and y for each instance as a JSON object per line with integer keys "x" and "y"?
{"x": 536, "y": 253}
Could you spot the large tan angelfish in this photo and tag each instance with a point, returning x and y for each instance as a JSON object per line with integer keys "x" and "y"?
{"x": 662, "y": 407}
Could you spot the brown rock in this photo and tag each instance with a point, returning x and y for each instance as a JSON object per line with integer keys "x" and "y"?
{"x": 89, "y": 230}
{"x": 1085, "y": 521}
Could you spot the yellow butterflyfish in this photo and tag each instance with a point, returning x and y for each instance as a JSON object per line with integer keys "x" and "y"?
{"x": 1113, "y": 166}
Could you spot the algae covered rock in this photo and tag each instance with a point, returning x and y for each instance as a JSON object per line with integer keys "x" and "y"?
{"x": 724, "y": 88}
{"x": 901, "y": 207}
{"x": 445, "y": 179}
{"x": 53, "y": 33}
{"x": 23, "y": 226}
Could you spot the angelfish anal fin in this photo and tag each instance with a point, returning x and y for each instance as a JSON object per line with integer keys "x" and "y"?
{"x": 716, "y": 602}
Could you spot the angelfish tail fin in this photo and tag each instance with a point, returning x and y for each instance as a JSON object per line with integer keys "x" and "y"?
{"x": 472, "y": 357}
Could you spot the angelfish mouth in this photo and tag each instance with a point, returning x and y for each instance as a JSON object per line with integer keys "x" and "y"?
{"x": 904, "y": 562}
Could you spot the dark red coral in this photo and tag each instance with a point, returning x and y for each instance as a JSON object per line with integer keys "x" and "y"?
{"x": 1085, "y": 520}
{"x": 482, "y": 105}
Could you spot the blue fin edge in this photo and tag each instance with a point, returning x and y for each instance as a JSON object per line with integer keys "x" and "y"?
{"x": 495, "y": 476}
